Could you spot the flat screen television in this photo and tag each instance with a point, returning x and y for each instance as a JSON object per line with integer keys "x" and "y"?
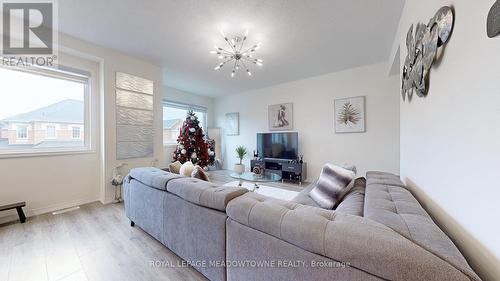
{"x": 278, "y": 145}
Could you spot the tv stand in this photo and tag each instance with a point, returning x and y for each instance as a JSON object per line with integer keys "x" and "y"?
{"x": 295, "y": 172}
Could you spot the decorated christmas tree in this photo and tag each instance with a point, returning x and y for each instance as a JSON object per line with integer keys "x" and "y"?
{"x": 191, "y": 145}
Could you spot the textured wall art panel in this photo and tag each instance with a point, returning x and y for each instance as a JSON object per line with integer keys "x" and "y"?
{"x": 134, "y": 100}
{"x": 126, "y": 150}
{"x": 134, "y": 133}
{"x": 133, "y": 83}
{"x": 134, "y": 117}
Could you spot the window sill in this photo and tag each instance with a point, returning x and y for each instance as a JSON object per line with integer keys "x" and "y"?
{"x": 170, "y": 144}
{"x": 42, "y": 153}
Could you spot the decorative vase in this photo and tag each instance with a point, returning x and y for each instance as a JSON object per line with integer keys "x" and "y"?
{"x": 239, "y": 168}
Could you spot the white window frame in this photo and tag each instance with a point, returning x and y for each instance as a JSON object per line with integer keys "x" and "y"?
{"x": 185, "y": 106}
{"x": 70, "y": 74}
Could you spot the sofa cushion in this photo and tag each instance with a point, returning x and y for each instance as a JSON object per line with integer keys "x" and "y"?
{"x": 186, "y": 169}
{"x": 304, "y": 198}
{"x": 387, "y": 201}
{"x": 204, "y": 193}
{"x": 199, "y": 173}
{"x": 354, "y": 201}
{"x": 175, "y": 167}
{"x": 153, "y": 177}
{"x": 332, "y": 185}
{"x": 383, "y": 178}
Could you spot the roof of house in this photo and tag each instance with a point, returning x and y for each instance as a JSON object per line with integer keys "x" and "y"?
{"x": 66, "y": 111}
{"x": 169, "y": 124}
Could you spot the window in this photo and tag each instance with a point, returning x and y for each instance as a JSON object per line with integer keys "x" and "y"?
{"x": 46, "y": 109}
{"x": 76, "y": 132}
{"x": 174, "y": 114}
{"x": 22, "y": 132}
{"x": 50, "y": 132}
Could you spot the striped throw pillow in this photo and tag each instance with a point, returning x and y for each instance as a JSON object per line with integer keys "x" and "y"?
{"x": 333, "y": 183}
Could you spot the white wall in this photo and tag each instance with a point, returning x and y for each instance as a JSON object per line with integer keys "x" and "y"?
{"x": 113, "y": 61}
{"x": 173, "y": 94}
{"x": 49, "y": 183}
{"x": 313, "y": 98}
{"x": 450, "y": 153}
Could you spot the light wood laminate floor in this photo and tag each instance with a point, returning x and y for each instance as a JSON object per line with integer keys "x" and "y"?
{"x": 93, "y": 243}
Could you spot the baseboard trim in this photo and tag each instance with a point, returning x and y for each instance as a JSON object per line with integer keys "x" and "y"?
{"x": 48, "y": 209}
{"x": 482, "y": 260}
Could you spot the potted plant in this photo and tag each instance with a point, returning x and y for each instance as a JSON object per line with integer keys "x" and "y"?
{"x": 241, "y": 152}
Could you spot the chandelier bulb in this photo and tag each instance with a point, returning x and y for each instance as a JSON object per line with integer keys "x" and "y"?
{"x": 249, "y": 73}
{"x": 232, "y": 74}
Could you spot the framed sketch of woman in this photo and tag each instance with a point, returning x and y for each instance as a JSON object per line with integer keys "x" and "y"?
{"x": 280, "y": 117}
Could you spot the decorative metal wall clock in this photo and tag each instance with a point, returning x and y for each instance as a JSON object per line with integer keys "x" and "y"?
{"x": 422, "y": 48}
{"x": 493, "y": 27}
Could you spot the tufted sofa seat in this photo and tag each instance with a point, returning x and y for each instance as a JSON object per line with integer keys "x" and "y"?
{"x": 394, "y": 240}
{"x": 388, "y": 202}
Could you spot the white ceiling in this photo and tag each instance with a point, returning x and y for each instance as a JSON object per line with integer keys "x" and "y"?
{"x": 300, "y": 38}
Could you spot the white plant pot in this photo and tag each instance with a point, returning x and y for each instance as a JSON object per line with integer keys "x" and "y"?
{"x": 239, "y": 168}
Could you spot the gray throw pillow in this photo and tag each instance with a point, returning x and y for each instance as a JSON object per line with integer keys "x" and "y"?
{"x": 333, "y": 183}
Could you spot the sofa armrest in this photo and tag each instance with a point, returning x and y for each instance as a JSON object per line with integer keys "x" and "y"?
{"x": 204, "y": 193}
{"x": 362, "y": 243}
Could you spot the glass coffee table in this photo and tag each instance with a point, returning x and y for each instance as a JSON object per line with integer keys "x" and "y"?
{"x": 252, "y": 182}
{"x": 256, "y": 179}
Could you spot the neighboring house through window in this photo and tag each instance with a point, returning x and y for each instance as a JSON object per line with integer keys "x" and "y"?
{"x": 174, "y": 114}
{"x": 44, "y": 110}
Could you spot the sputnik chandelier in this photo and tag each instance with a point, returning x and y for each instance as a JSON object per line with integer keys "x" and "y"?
{"x": 237, "y": 55}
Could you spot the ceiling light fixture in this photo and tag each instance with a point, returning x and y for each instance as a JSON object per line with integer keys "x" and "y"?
{"x": 237, "y": 55}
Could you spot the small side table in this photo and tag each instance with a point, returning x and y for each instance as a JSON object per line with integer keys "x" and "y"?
{"x": 19, "y": 208}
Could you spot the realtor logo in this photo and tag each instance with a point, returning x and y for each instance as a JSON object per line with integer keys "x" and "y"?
{"x": 28, "y": 31}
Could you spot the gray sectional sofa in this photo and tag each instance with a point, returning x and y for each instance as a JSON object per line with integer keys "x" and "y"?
{"x": 185, "y": 214}
{"x": 378, "y": 232}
